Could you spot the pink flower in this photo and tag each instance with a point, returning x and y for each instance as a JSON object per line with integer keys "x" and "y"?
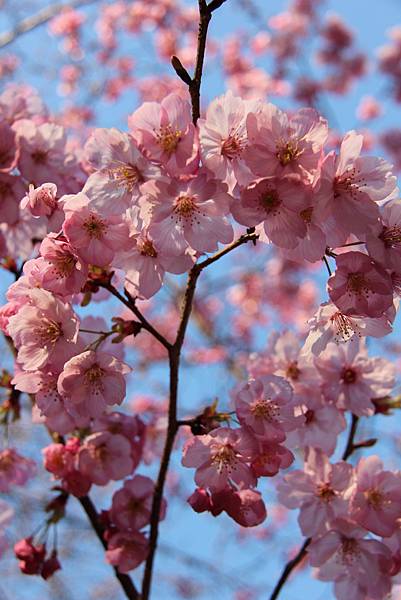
{"x": 359, "y": 566}
{"x": 270, "y": 458}
{"x": 65, "y": 273}
{"x": 95, "y": 237}
{"x": 187, "y": 214}
{"x": 41, "y": 201}
{"x": 129, "y": 426}
{"x": 166, "y": 134}
{"x": 44, "y": 331}
{"x": 323, "y": 422}
{"x": 360, "y": 286}
{"x": 351, "y": 379}
{"x": 220, "y": 458}
{"x": 246, "y": 506}
{"x": 265, "y": 405}
{"x": 331, "y": 325}
{"x": 31, "y": 556}
{"x": 121, "y": 170}
{"x": 280, "y": 144}
{"x": 145, "y": 265}
{"x": 384, "y": 241}
{"x": 376, "y": 500}
{"x": 14, "y": 469}
{"x": 350, "y": 186}
{"x": 104, "y": 457}
{"x": 132, "y": 505}
{"x": 320, "y": 491}
{"x": 91, "y": 381}
{"x": 223, "y": 138}
{"x": 126, "y": 550}
{"x": 277, "y": 203}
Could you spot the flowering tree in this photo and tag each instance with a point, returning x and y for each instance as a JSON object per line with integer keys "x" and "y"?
{"x": 251, "y": 252}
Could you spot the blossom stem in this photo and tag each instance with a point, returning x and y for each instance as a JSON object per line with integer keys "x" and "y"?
{"x": 294, "y": 562}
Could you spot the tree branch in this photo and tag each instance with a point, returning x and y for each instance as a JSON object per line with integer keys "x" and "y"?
{"x": 41, "y": 17}
{"x": 293, "y": 563}
{"x": 125, "y": 580}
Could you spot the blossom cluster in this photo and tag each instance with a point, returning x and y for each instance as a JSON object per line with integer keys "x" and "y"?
{"x": 130, "y": 207}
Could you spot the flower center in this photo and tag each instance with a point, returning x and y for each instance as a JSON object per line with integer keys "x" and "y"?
{"x": 325, "y": 492}
{"x": 93, "y": 378}
{"x": 6, "y": 461}
{"x": 269, "y": 201}
{"x": 309, "y": 416}
{"x": 293, "y": 372}
{"x": 168, "y": 139}
{"x": 349, "y": 375}
{"x": 357, "y": 284}
{"x": 374, "y": 497}
{"x": 185, "y": 206}
{"x": 306, "y": 215}
{"x": 49, "y": 332}
{"x": 265, "y": 409}
{"x": 233, "y": 146}
{"x": 343, "y": 326}
{"x": 347, "y": 184}
{"x": 146, "y": 248}
{"x": 391, "y": 236}
{"x": 127, "y": 176}
{"x": 349, "y": 551}
{"x": 287, "y": 153}
{"x": 225, "y": 458}
{"x": 95, "y": 227}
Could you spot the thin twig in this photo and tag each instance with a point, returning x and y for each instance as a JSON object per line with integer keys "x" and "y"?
{"x": 294, "y": 562}
{"x": 40, "y": 18}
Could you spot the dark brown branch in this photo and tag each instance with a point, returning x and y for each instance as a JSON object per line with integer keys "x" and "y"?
{"x": 293, "y": 563}
{"x": 129, "y": 302}
{"x": 40, "y": 18}
{"x": 194, "y": 83}
{"x": 125, "y": 580}
{"x": 173, "y": 424}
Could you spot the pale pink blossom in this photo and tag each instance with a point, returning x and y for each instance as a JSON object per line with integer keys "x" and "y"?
{"x": 320, "y": 491}
{"x": 223, "y": 138}
{"x": 277, "y": 203}
{"x": 384, "y": 241}
{"x": 282, "y": 144}
{"x": 352, "y": 380}
{"x": 43, "y": 331}
{"x": 95, "y": 237}
{"x": 266, "y": 406}
{"x": 331, "y": 325}
{"x": 187, "y": 214}
{"x": 270, "y": 458}
{"x": 376, "y": 500}
{"x": 350, "y": 187}
{"x": 91, "y": 381}
{"x": 166, "y": 134}
{"x": 357, "y": 565}
{"x": 65, "y": 273}
{"x": 220, "y": 458}
{"x": 41, "y": 201}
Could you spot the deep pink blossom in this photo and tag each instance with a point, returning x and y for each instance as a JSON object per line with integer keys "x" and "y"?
{"x": 220, "y": 457}
{"x": 360, "y": 286}
{"x": 104, "y": 457}
{"x": 132, "y": 504}
{"x": 126, "y": 550}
